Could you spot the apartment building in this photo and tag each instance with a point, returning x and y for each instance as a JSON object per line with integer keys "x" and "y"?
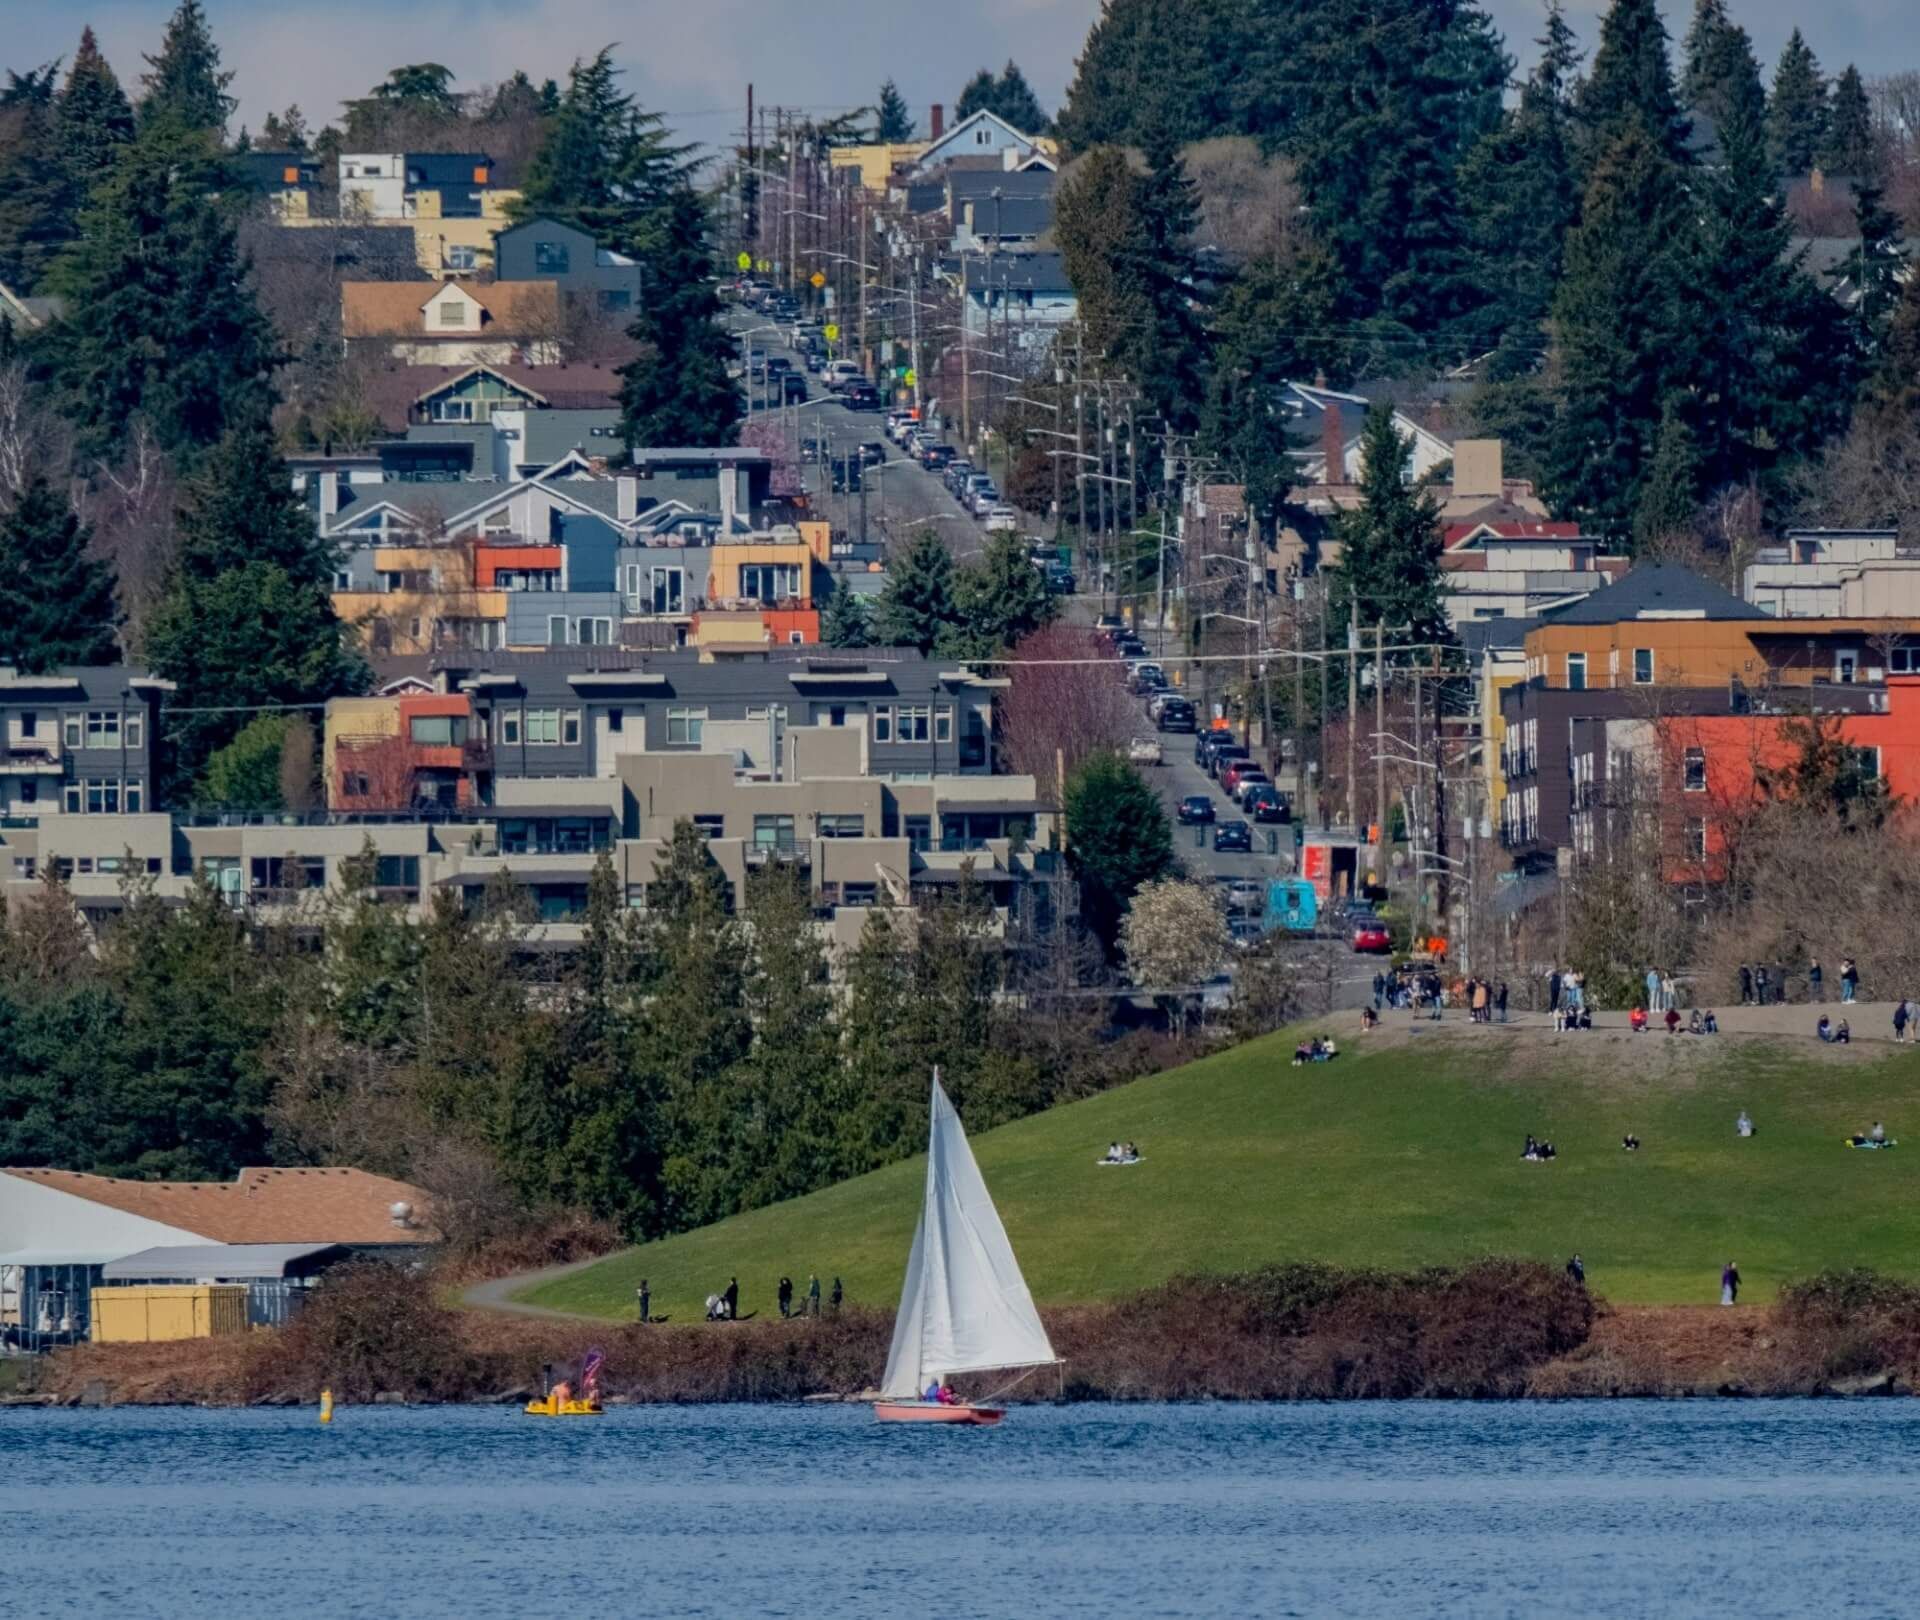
{"x": 78, "y": 742}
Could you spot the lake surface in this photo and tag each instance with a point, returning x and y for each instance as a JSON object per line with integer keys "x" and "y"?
{"x": 1750, "y": 1508}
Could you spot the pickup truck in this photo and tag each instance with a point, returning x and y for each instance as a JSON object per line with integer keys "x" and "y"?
{"x": 1144, "y": 751}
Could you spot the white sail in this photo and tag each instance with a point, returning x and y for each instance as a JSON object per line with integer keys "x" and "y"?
{"x": 964, "y": 1306}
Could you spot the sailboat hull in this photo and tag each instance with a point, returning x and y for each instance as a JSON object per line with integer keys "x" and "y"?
{"x": 936, "y": 1412}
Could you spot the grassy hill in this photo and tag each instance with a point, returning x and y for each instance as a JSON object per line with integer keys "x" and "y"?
{"x": 1404, "y": 1152}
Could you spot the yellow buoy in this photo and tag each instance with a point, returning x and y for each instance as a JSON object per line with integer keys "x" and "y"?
{"x": 326, "y": 1406}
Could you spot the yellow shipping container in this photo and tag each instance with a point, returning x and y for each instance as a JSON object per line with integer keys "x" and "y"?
{"x": 152, "y": 1312}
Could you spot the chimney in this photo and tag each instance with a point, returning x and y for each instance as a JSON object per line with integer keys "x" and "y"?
{"x": 1333, "y": 445}
{"x": 937, "y": 121}
{"x": 731, "y": 479}
{"x": 626, "y": 498}
{"x": 329, "y": 492}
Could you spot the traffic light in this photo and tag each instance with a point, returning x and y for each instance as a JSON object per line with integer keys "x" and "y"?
{"x": 1299, "y": 834}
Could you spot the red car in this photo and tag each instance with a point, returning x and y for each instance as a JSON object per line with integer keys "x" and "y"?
{"x": 1232, "y": 771}
{"x": 1370, "y": 938}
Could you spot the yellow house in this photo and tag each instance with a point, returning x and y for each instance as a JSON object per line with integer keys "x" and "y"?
{"x": 876, "y": 161}
{"x": 421, "y": 598}
{"x": 761, "y": 571}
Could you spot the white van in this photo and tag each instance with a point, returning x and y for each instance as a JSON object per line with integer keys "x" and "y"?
{"x": 841, "y": 372}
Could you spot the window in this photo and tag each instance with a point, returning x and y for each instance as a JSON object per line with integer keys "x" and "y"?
{"x": 914, "y": 722}
{"x": 1846, "y": 668}
{"x": 1576, "y": 672}
{"x": 136, "y": 730}
{"x": 669, "y": 589}
{"x": 570, "y": 728}
{"x": 438, "y": 730}
{"x": 462, "y": 256}
{"x": 29, "y": 791}
{"x": 452, "y": 410}
{"x": 773, "y": 832}
{"x": 1697, "y": 839}
{"x": 71, "y": 729}
{"x": 343, "y": 579}
{"x": 843, "y": 826}
{"x": 1900, "y": 661}
{"x": 686, "y": 726}
{"x": 29, "y": 723}
{"x": 71, "y": 798}
{"x": 397, "y": 872}
{"x": 556, "y": 630}
{"x": 943, "y": 724}
{"x": 103, "y": 796}
{"x": 550, "y": 258}
{"x": 616, "y": 718}
{"x": 1643, "y": 666}
{"x": 1694, "y": 767}
{"x": 135, "y": 798}
{"x": 770, "y": 582}
{"x": 1867, "y": 762}
{"x": 920, "y": 834}
{"x": 453, "y": 313}
{"x": 616, "y": 298}
{"x": 593, "y": 632}
{"x": 860, "y": 894}
{"x": 509, "y": 726}
{"x": 712, "y": 826}
{"x": 543, "y": 727}
{"x": 883, "y": 724}
{"x": 103, "y": 728}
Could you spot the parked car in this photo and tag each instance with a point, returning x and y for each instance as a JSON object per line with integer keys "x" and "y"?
{"x": 846, "y": 475}
{"x": 1176, "y": 714}
{"x": 1003, "y": 520}
{"x": 1245, "y": 783}
{"x": 1130, "y": 647}
{"x": 860, "y": 396}
{"x": 1235, "y": 836}
{"x": 1221, "y": 756}
{"x": 1266, "y": 804}
{"x": 955, "y": 475}
{"x": 793, "y": 388}
{"x": 1230, "y": 772}
{"x": 935, "y": 456}
{"x": 1246, "y": 896}
{"x": 839, "y": 373}
{"x": 984, "y": 501}
{"x": 1060, "y": 580}
{"x": 1144, "y": 751}
{"x": 1195, "y": 810}
{"x": 814, "y": 361}
{"x": 1370, "y": 937}
{"x": 1246, "y": 932}
{"x": 873, "y": 452}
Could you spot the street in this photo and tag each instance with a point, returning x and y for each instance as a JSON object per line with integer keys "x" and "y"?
{"x": 901, "y": 496}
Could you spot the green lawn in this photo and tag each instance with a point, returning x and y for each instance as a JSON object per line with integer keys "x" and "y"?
{"x": 1399, "y": 1156}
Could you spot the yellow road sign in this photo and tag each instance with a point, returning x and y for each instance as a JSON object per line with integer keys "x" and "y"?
{"x": 763, "y": 266}
{"x": 911, "y": 377}
{"x": 818, "y": 278}
{"x": 745, "y": 261}
{"x": 832, "y": 332}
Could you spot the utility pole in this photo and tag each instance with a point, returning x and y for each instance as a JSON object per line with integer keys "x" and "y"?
{"x": 1353, "y": 698}
{"x": 966, "y": 356}
{"x": 1379, "y": 739}
{"x": 913, "y": 322}
{"x": 1321, "y": 747}
{"x": 750, "y": 188}
{"x": 793, "y": 210}
{"x": 1080, "y": 457}
{"x": 1300, "y": 710}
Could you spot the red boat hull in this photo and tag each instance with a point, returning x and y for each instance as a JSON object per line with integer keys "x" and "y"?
{"x": 935, "y": 1412}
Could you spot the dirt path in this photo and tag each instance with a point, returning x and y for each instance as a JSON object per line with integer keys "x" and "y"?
{"x": 494, "y": 1294}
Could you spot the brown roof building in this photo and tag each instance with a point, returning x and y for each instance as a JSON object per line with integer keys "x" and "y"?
{"x": 454, "y": 322}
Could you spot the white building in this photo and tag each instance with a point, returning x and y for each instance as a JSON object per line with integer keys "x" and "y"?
{"x": 1834, "y": 574}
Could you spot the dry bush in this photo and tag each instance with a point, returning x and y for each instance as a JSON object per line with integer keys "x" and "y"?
{"x": 369, "y": 1329}
{"x": 1848, "y": 1324}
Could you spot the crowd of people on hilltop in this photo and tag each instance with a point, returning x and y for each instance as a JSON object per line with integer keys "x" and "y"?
{"x": 1319, "y": 1049}
{"x": 1765, "y": 984}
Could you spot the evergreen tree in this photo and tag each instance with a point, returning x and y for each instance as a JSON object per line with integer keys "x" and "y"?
{"x": 35, "y": 200}
{"x": 1758, "y": 360}
{"x": 976, "y": 95}
{"x": 161, "y": 322}
{"x": 1727, "y": 85}
{"x": 1165, "y": 353}
{"x": 186, "y": 91}
{"x": 610, "y": 168}
{"x": 247, "y": 618}
{"x": 1008, "y": 97}
{"x": 1390, "y": 544}
{"x": 94, "y": 118}
{"x": 1669, "y": 496}
{"x": 1519, "y": 198}
{"x": 678, "y": 391}
{"x": 918, "y": 602}
{"x": 1097, "y": 229}
{"x": 1710, "y": 21}
{"x": 1613, "y": 325}
{"x": 245, "y": 774}
{"x": 893, "y": 123}
{"x": 1003, "y": 597}
{"x": 1797, "y": 112}
{"x": 1876, "y": 263}
{"x": 1631, "y": 83}
{"x": 56, "y": 603}
{"x": 878, "y": 1046}
{"x": 846, "y": 623}
{"x": 1117, "y": 839}
{"x": 1378, "y": 135}
{"x": 1850, "y": 145}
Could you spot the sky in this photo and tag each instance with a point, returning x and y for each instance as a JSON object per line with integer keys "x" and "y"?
{"x": 693, "y": 59}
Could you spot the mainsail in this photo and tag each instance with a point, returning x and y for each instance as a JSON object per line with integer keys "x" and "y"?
{"x": 964, "y": 1306}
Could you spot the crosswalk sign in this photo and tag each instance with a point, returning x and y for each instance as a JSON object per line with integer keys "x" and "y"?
{"x": 745, "y": 261}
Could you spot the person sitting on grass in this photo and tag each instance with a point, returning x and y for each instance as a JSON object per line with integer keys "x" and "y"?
{"x": 1743, "y": 1126}
{"x": 1695, "y": 1025}
{"x": 1673, "y": 1021}
{"x": 1630, "y": 1143}
{"x": 1711, "y": 1024}
{"x": 1824, "y": 1029}
{"x": 1842, "y": 1036}
{"x": 1368, "y": 1018}
{"x": 1328, "y": 1051}
{"x": 1303, "y": 1053}
{"x": 1637, "y": 1020}
{"x": 1532, "y": 1150}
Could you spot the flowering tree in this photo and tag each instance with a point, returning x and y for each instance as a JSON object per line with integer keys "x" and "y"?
{"x": 1066, "y": 701}
{"x": 786, "y": 479}
{"x": 1174, "y": 935}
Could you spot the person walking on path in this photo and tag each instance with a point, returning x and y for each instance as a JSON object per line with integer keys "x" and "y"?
{"x": 1760, "y": 984}
{"x": 1900, "y": 1016}
{"x": 1553, "y": 991}
{"x": 1500, "y": 1000}
{"x": 1746, "y": 985}
{"x": 1730, "y": 1284}
{"x": 813, "y": 1295}
{"x": 1816, "y": 981}
{"x": 1379, "y": 991}
{"x": 786, "y": 1296}
{"x": 1653, "y": 990}
{"x": 1577, "y": 1271}
{"x": 1849, "y": 979}
{"x": 838, "y": 1294}
{"x": 732, "y": 1297}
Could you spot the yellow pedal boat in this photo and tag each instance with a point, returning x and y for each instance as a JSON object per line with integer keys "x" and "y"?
{"x": 547, "y": 1406}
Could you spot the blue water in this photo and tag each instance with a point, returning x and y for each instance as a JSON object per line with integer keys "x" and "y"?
{"x": 1749, "y": 1508}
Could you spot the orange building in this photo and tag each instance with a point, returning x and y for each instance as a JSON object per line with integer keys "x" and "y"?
{"x": 422, "y": 750}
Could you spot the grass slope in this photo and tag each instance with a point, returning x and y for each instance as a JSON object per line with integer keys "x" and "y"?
{"x": 1405, "y": 1152}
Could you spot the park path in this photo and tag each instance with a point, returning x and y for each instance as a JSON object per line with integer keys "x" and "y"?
{"x": 495, "y": 1294}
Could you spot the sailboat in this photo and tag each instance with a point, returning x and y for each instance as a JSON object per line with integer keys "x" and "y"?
{"x": 964, "y": 1306}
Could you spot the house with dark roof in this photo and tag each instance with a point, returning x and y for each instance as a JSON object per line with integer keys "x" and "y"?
{"x": 544, "y": 249}
{"x": 455, "y": 202}
{"x": 403, "y": 396}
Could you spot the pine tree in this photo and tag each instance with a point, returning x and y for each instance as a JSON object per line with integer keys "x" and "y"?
{"x": 678, "y": 391}
{"x": 1519, "y": 198}
{"x": 918, "y": 602}
{"x": 247, "y": 618}
{"x": 892, "y": 122}
{"x": 1710, "y": 20}
{"x": 1390, "y": 544}
{"x": 1797, "y": 112}
{"x": 1727, "y": 85}
{"x": 186, "y": 91}
{"x": 1014, "y": 101}
{"x": 1758, "y": 360}
{"x": 846, "y": 623}
{"x": 1097, "y": 229}
{"x": 1631, "y": 82}
{"x": 1669, "y": 495}
{"x": 1003, "y": 597}
{"x": 1850, "y": 145}
{"x": 1875, "y": 265}
{"x": 35, "y": 200}
{"x": 976, "y": 95}
{"x": 161, "y": 322}
{"x": 95, "y": 120}
{"x": 1613, "y": 324}
{"x": 1117, "y": 839}
{"x": 56, "y": 603}
{"x": 1165, "y": 353}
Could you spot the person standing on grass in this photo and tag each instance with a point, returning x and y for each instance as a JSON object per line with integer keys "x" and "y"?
{"x": 839, "y": 1294}
{"x": 786, "y": 1296}
{"x": 1849, "y": 979}
{"x": 1730, "y": 1284}
{"x": 1746, "y": 985}
{"x": 1900, "y": 1022}
{"x": 813, "y": 1294}
{"x": 1577, "y": 1271}
{"x": 1816, "y": 981}
{"x": 1653, "y": 989}
{"x": 1553, "y": 991}
{"x": 1379, "y": 990}
{"x": 1500, "y": 1000}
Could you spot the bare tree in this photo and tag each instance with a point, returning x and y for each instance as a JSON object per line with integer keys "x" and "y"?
{"x": 131, "y": 506}
{"x": 1065, "y": 701}
{"x": 34, "y": 442}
